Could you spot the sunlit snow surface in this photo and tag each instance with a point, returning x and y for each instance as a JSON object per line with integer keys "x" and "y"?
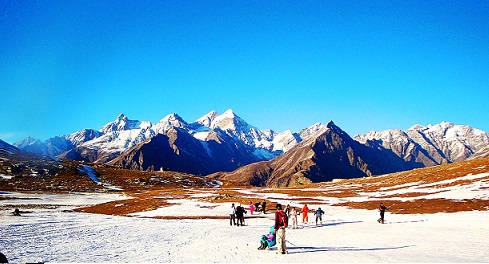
{"x": 347, "y": 235}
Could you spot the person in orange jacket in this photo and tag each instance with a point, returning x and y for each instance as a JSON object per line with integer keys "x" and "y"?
{"x": 305, "y": 217}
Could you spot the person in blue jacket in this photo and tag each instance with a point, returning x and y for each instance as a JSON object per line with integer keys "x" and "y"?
{"x": 268, "y": 240}
{"x": 319, "y": 216}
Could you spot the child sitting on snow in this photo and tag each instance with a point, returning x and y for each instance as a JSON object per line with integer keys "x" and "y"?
{"x": 268, "y": 240}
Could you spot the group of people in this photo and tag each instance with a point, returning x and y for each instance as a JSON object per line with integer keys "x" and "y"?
{"x": 277, "y": 231}
{"x": 236, "y": 215}
{"x": 292, "y": 213}
{"x": 276, "y": 236}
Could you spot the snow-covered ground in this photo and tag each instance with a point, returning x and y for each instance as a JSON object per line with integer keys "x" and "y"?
{"x": 347, "y": 235}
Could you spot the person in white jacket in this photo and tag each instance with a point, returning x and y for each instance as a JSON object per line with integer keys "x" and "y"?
{"x": 232, "y": 215}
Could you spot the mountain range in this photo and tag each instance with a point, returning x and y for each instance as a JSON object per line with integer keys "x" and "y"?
{"x": 224, "y": 146}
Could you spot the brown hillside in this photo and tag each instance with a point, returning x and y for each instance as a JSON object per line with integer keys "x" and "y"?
{"x": 150, "y": 190}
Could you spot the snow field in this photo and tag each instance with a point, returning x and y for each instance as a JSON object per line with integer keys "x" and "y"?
{"x": 347, "y": 235}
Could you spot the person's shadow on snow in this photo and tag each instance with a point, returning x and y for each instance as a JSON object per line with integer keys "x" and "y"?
{"x": 298, "y": 250}
{"x": 331, "y": 224}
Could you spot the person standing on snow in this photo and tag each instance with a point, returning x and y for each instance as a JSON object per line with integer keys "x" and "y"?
{"x": 287, "y": 211}
{"x": 281, "y": 222}
{"x": 257, "y": 206}
{"x": 294, "y": 218}
{"x": 252, "y": 207}
{"x": 305, "y": 217}
{"x": 319, "y": 213}
{"x": 382, "y": 209}
{"x": 240, "y": 211}
{"x": 232, "y": 215}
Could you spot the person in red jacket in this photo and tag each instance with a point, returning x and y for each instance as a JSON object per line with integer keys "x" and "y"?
{"x": 305, "y": 217}
{"x": 281, "y": 222}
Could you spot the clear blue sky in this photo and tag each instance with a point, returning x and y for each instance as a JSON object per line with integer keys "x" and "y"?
{"x": 367, "y": 65}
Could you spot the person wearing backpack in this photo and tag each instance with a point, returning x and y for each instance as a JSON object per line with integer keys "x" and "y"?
{"x": 281, "y": 222}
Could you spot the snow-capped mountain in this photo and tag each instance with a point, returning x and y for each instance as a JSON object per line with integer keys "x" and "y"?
{"x": 123, "y": 133}
{"x": 214, "y": 135}
{"x": 268, "y": 144}
{"x": 120, "y": 124}
{"x": 430, "y": 145}
{"x": 329, "y": 154}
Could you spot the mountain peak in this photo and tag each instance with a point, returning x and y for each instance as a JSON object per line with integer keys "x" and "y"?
{"x": 171, "y": 120}
{"x": 173, "y": 116}
{"x": 312, "y": 130}
{"x": 207, "y": 119}
{"x": 445, "y": 124}
{"x": 229, "y": 113}
{"x": 331, "y": 124}
{"x": 27, "y": 141}
{"x": 417, "y": 127}
{"x": 119, "y": 124}
{"x": 229, "y": 121}
{"x": 121, "y": 116}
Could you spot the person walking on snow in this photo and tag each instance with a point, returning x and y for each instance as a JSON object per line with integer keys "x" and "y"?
{"x": 232, "y": 215}
{"x": 319, "y": 213}
{"x": 252, "y": 207}
{"x": 279, "y": 228}
{"x": 305, "y": 217}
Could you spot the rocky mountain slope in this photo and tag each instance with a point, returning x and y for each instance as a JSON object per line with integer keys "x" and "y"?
{"x": 225, "y": 142}
{"x": 225, "y": 135}
{"x": 431, "y": 145}
{"x": 328, "y": 155}
{"x": 177, "y": 150}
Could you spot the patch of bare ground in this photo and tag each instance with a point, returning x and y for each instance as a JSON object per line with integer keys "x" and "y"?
{"x": 141, "y": 201}
{"x": 151, "y": 190}
{"x": 410, "y": 194}
{"x": 421, "y": 176}
{"x": 459, "y": 183}
{"x": 64, "y": 180}
{"x": 124, "y": 207}
{"x": 313, "y": 192}
{"x": 132, "y": 180}
{"x": 423, "y": 206}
